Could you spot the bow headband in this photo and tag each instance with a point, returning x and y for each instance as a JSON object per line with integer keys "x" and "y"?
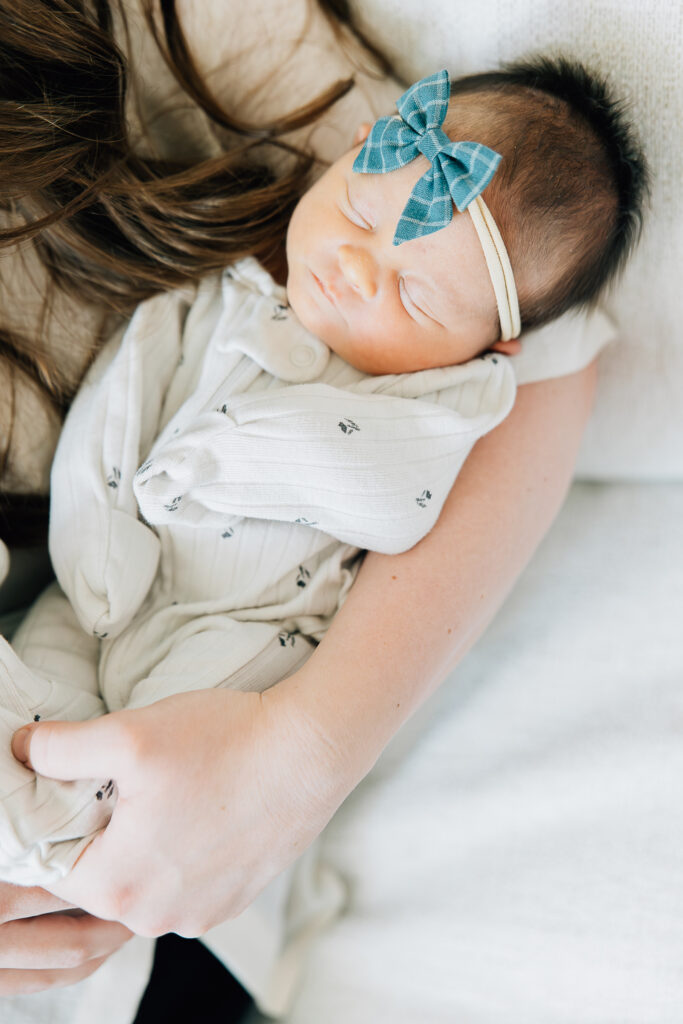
{"x": 459, "y": 172}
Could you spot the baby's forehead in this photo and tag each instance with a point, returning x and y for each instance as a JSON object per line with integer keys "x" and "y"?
{"x": 395, "y": 184}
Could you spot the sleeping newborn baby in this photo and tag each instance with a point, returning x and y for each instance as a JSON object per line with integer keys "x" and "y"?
{"x": 232, "y": 452}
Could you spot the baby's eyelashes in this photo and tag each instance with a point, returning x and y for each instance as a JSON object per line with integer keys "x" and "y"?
{"x": 355, "y": 218}
{"x": 351, "y": 210}
{"x": 410, "y": 306}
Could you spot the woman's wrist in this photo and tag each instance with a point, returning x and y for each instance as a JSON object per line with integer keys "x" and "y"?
{"x": 333, "y": 750}
{"x": 350, "y": 701}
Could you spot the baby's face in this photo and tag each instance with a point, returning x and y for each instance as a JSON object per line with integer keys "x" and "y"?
{"x": 387, "y": 308}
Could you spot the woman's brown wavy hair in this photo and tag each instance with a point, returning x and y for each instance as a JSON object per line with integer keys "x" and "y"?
{"x": 107, "y": 223}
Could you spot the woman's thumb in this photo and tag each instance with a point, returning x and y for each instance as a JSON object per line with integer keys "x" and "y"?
{"x": 66, "y": 750}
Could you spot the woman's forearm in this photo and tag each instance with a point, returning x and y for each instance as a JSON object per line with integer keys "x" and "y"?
{"x": 410, "y": 618}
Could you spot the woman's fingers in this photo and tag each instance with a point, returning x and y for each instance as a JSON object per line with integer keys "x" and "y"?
{"x": 58, "y": 941}
{"x": 23, "y": 983}
{"x": 40, "y": 949}
{"x": 27, "y": 901}
{"x": 73, "y": 750}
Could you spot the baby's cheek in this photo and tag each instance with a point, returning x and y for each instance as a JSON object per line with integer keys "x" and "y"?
{"x": 371, "y": 353}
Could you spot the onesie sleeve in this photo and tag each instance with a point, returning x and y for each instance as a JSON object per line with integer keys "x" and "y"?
{"x": 104, "y": 557}
{"x": 564, "y": 346}
{"x": 371, "y": 465}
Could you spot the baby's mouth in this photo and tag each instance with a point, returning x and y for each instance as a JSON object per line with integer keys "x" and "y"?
{"x": 324, "y": 290}
{"x": 329, "y": 295}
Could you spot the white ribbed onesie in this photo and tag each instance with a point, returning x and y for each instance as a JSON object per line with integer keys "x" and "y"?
{"x": 268, "y": 463}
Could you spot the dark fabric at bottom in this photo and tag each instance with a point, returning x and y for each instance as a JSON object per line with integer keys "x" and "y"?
{"x": 188, "y": 984}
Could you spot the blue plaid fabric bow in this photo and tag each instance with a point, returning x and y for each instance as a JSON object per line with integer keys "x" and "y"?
{"x": 460, "y": 171}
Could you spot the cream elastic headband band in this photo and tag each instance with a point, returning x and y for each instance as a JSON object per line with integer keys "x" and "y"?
{"x": 500, "y": 270}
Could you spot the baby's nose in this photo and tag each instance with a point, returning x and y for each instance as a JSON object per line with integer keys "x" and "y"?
{"x": 359, "y": 269}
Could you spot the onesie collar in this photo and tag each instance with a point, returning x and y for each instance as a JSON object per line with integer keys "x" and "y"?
{"x": 264, "y": 327}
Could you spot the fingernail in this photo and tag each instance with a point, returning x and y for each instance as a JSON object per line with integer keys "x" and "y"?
{"x": 20, "y": 744}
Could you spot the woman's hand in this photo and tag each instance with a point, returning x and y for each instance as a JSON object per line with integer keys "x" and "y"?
{"x": 42, "y": 948}
{"x": 218, "y": 792}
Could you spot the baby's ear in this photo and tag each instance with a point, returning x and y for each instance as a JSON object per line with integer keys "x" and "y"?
{"x": 508, "y": 348}
{"x": 362, "y": 132}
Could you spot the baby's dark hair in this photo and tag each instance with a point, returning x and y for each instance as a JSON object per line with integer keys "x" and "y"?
{"x": 568, "y": 195}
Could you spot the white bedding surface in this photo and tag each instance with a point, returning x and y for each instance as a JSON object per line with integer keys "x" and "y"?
{"x": 515, "y": 857}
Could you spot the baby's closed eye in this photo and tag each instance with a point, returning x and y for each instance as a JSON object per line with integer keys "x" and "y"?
{"x": 353, "y": 210}
{"x": 409, "y": 303}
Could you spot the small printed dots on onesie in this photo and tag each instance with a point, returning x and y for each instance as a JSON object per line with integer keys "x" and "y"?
{"x": 347, "y": 426}
{"x": 425, "y": 497}
{"x": 303, "y": 576}
{"x": 280, "y": 311}
{"x": 106, "y": 790}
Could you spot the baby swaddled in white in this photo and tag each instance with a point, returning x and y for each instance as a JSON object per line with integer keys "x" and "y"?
{"x": 217, "y": 477}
